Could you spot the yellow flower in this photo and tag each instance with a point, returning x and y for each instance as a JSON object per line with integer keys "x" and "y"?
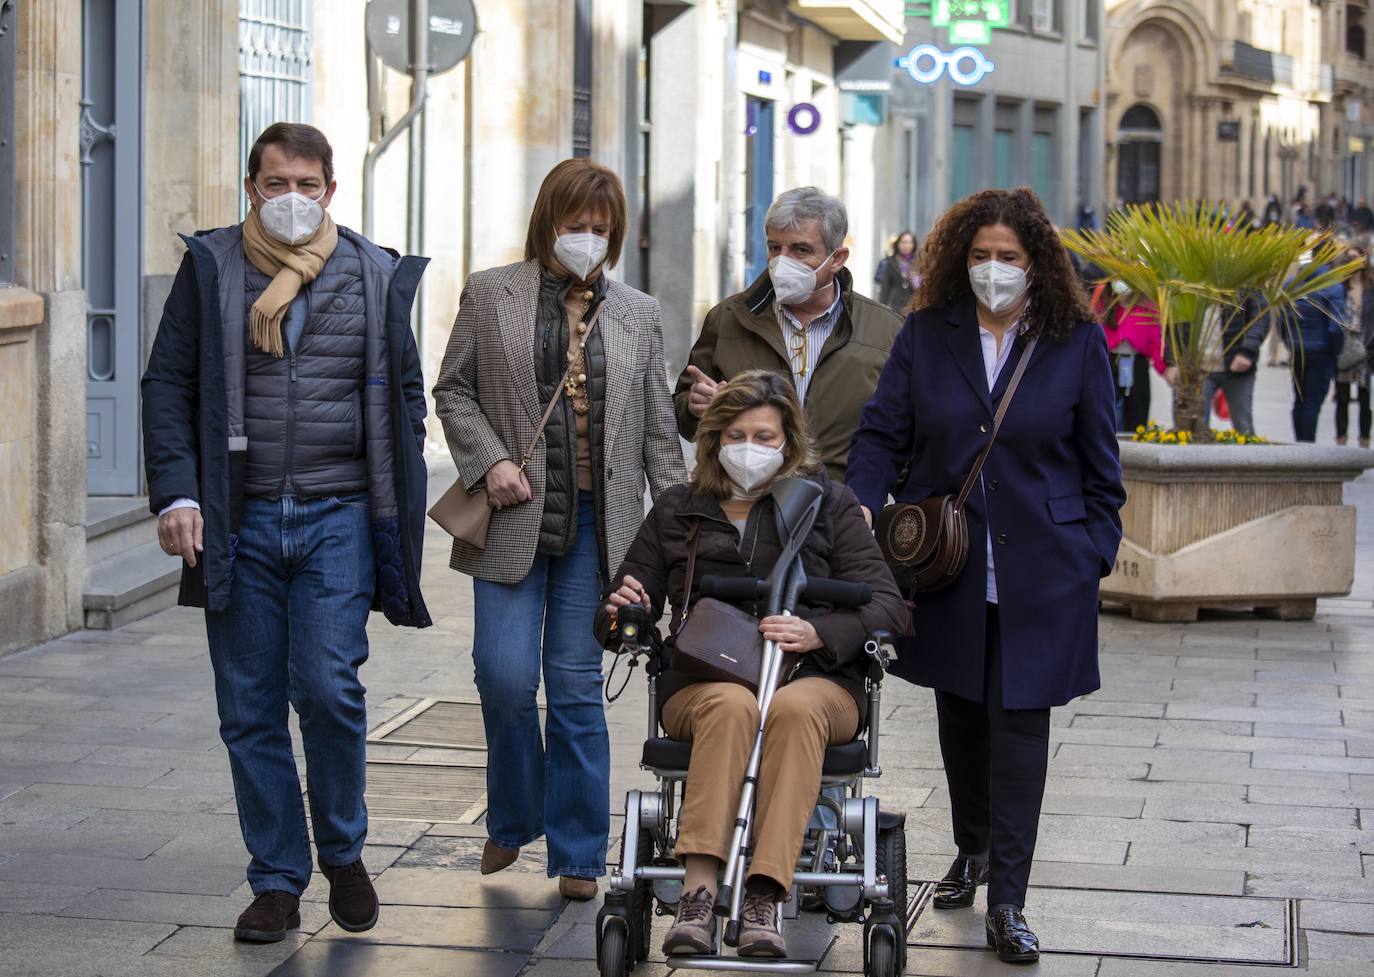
{"x": 1240, "y": 439}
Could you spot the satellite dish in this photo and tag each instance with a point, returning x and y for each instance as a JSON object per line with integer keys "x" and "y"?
{"x": 452, "y": 28}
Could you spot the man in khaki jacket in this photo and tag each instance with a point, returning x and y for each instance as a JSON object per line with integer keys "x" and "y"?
{"x": 801, "y": 318}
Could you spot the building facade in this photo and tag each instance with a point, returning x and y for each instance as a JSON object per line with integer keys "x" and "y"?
{"x": 1237, "y": 101}
{"x": 132, "y": 120}
{"x": 1020, "y": 107}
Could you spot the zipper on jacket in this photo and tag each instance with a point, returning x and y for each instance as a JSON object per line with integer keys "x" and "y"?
{"x": 289, "y": 458}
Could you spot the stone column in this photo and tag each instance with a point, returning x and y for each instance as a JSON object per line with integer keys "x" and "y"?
{"x": 191, "y": 136}
{"x": 42, "y": 340}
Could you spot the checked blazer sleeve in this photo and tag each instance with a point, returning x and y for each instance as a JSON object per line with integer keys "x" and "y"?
{"x": 662, "y": 451}
{"x": 472, "y": 440}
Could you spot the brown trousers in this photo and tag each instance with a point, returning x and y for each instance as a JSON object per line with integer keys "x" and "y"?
{"x": 721, "y": 720}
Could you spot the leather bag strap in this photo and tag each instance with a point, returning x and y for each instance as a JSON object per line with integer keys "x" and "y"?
{"x": 558, "y": 394}
{"x": 977, "y": 468}
{"x": 692, "y": 536}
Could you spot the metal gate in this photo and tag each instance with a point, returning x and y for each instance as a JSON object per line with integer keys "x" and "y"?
{"x": 112, "y": 239}
{"x": 275, "y": 69}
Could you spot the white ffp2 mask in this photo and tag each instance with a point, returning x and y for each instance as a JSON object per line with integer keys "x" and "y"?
{"x": 292, "y": 218}
{"x": 793, "y": 280}
{"x": 580, "y": 253}
{"x": 997, "y": 284}
{"x": 750, "y": 465}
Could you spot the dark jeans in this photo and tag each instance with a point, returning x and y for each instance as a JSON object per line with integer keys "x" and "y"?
{"x": 557, "y": 787}
{"x": 1312, "y": 377}
{"x": 1343, "y": 409}
{"x": 1133, "y": 403}
{"x": 995, "y": 763}
{"x": 1239, "y": 389}
{"x": 296, "y": 632}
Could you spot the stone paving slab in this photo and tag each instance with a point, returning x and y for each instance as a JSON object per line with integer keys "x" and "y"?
{"x": 1224, "y": 758}
{"x": 1207, "y": 927}
{"x": 342, "y": 959}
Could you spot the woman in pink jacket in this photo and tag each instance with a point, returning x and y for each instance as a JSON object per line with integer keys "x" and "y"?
{"x": 1136, "y": 342}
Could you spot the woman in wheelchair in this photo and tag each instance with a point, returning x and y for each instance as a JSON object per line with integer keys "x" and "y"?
{"x": 753, "y": 433}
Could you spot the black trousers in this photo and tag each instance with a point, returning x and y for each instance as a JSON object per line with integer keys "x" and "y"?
{"x": 1343, "y": 408}
{"x": 1133, "y": 408}
{"x": 995, "y": 761}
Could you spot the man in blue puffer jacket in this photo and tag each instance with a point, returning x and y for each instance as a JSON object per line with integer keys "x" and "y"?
{"x": 1316, "y": 336}
{"x": 283, "y": 416}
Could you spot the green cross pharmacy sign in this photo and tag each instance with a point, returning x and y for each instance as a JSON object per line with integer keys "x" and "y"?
{"x": 968, "y": 21}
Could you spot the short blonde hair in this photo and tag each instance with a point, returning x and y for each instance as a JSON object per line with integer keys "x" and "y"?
{"x": 570, "y": 188}
{"x": 747, "y": 390}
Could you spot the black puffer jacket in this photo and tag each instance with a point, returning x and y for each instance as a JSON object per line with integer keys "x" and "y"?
{"x": 840, "y": 547}
{"x": 303, "y": 412}
{"x": 558, "y": 526}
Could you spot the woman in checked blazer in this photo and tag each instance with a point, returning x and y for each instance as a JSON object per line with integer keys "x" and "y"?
{"x": 559, "y": 525}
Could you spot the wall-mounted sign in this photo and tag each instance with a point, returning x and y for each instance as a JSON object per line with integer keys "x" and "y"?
{"x": 925, "y": 63}
{"x": 803, "y": 118}
{"x": 452, "y": 28}
{"x": 968, "y": 21}
{"x": 1228, "y": 130}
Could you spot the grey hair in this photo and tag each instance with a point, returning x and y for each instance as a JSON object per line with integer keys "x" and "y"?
{"x": 795, "y": 207}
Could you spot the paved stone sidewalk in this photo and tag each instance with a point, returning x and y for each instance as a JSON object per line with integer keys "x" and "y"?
{"x": 1214, "y": 801}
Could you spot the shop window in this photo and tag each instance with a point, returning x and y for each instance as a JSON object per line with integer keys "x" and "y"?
{"x": 961, "y": 162}
{"x": 1003, "y": 156}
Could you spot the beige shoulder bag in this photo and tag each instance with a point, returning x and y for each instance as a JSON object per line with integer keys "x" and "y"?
{"x": 466, "y": 514}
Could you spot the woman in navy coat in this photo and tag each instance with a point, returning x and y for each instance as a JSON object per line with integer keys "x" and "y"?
{"x": 1016, "y": 632}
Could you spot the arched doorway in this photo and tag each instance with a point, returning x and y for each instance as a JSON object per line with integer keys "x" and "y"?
{"x": 1139, "y": 139}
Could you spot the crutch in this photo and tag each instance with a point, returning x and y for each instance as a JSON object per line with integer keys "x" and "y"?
{"x": 797, "y": 503}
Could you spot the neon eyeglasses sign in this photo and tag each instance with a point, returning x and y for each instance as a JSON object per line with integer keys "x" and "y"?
{"x": 925, "y": 63}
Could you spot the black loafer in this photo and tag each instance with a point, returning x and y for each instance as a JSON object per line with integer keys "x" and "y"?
{"x": 956, "y": 889}
{"x": 1009, "y": 935}
{"x": 352, "y": 899}
{"x": 268, "y": 918}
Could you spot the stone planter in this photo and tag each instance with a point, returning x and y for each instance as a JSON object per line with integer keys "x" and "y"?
{"x": 1260, "y": 527}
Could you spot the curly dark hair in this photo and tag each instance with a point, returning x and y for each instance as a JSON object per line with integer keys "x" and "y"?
{"x": 1057, "y": 300}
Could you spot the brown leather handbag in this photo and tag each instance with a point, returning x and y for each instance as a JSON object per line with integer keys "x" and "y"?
{"x": 466, "y": 514}
{"x": 715, "y": 641}
{"x": 926, "y": 543}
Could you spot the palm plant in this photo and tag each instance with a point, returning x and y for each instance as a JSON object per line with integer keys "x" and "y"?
{"x": 1198, "y": 270}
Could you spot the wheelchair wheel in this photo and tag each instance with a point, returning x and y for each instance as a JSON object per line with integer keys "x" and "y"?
{"x": 882, "y": 958}
{"x": 611, "y": 950}
{"x": 640, "y": 910}
{"x": 891, "y": 859}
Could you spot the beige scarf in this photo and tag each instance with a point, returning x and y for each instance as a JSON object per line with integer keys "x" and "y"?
{"x": 291, "y": 268}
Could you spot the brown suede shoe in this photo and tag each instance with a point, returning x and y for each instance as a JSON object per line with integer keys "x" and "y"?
{"x": 495, "y": 858}
{"x": 760, "y": 934}
{"x": 352, "y": 900}
{"x": 268, "y": 918}
{"x": 571, "y": 887}
{"x": 694, "y": 929}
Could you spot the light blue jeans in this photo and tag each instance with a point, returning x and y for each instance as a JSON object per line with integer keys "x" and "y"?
{"x": 557, "y": 787}
{"x": 296, "y": 633}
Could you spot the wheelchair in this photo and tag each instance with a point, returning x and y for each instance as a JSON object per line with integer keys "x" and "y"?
{"x": 853, "y": 858}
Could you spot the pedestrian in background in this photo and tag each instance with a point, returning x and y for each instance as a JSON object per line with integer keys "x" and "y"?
{"x": 1232, "y": 364}
{"x": 897, "y": 277}
{"x": 1016, "y": 632}
{"x": 1316, "y": 337}
{"x": 1134, "y": 343}
{"x": 1359, "y": 328}
{"x": 802, "y": 319}
{"x": 283, "y": 425}
{"x": 561, "y": 521}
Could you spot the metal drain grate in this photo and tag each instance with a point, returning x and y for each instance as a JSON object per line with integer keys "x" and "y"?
{"x": 1240, "y": 930}
{"x": 444, "y": 723}
{"x": 434, "y": 792}
{"x": 445, "y": 787}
